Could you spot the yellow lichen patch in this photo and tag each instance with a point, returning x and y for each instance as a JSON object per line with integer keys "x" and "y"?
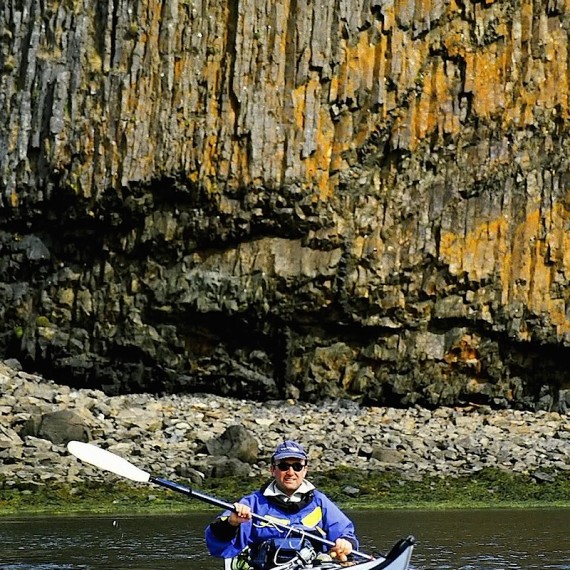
{"x": 485, "y": 79}
{"x": 318, "y": 134}
{"x": 322, "y": 156}
{"x": 240, "y": 162}
{"x": 298, "y": 97}
{"x": 477, "y": 253}
{"x": 362, "y": 61}
{"x": 425, "y": 118}
{"x": 208, "y": 167}
{"x": 343, "y": 128}
{"x": 455, "y": 43}
{"x": 434, "y": 108}
{"x": 528, "y": 273}
{"x": 554, "y": 88}
{"x": 519, "y": 263}
{"x": 526, "y": 257}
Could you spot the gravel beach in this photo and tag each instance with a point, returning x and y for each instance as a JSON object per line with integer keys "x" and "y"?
{"x": 172, "y": 435}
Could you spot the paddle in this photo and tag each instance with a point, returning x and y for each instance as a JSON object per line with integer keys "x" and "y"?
{"x": 110, "y": 462}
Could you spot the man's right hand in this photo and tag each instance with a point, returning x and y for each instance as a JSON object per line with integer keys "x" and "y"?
{"x": 241, "y": 514}
{"x": 341, "y": 549}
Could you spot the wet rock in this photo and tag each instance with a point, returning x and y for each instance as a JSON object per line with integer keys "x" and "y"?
{"x": 193, "y": 475}
{"x": 542, "y": 477}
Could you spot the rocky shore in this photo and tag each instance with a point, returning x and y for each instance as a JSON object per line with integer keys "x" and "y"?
{"x": 198, "y": 436}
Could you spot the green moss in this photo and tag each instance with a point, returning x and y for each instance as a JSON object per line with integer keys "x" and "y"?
{"x": 9, "y": 65}
{"x": 489, "y": 488}
{"x": 133, "y": 30}
{"x": 42, "y": 322}
{"x": 90, "y": 498}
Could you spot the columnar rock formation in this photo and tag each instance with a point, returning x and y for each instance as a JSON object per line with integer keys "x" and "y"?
{"x": 355, "y": 198}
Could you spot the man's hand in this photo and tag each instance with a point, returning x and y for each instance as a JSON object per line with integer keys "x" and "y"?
{"x": 242, "y": 514}
{"x": 341, "y": 549}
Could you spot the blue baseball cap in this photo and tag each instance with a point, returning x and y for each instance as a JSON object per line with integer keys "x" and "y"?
{"x": 289, "y": 449}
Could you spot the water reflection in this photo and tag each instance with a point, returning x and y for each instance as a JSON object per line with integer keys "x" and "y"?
{"x": 448, "y": 540}
{"x": 101, "y": 542}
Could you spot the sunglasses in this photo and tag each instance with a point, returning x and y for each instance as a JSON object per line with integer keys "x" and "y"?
{"x": 284, "y": 466}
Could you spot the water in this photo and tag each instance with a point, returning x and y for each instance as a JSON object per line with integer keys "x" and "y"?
{"x": 447, "y": 540}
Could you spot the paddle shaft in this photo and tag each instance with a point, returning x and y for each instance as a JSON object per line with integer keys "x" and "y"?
{"x": 229, "y": 506}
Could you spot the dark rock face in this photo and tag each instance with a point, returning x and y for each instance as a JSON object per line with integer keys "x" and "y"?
{"x": 354, "y": 200}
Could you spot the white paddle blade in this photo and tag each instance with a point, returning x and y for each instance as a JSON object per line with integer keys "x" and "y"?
{"x": 106, "y": 460}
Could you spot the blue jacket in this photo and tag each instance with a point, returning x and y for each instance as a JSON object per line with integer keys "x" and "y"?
{"x": 317, "y": 514}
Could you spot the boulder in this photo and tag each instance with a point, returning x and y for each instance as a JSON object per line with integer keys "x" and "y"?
{"x": 229, "y": 467}
{"x": 58, "y": 427}
{"x": 235, "y": 442}
{"x": 386, "y": 455}
{"x": 218, "y": 467}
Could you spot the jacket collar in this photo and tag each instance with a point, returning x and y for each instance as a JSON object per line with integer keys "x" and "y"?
{"x": 273, "y": 491}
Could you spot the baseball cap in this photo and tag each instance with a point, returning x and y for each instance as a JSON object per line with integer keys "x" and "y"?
{"x": 289, "y": 449}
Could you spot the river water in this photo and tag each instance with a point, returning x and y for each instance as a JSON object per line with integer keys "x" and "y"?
{"x": 450, "y": 540}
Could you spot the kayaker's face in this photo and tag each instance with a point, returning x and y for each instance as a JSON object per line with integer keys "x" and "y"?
{"x": 286, "y": 477}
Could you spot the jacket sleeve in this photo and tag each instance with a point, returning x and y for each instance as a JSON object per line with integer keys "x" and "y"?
{"x": 224, "y": 540}
{"x": 336, "y": 523}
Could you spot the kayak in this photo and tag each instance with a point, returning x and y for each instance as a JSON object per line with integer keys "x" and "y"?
{"x": 304, "y": 559}
{"x": 397, "y": 559}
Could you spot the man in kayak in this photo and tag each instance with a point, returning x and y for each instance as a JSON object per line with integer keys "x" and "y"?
{"x": 288, "y": 499}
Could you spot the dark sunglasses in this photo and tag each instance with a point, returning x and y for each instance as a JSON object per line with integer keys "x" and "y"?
{"x": 284, "y": 466}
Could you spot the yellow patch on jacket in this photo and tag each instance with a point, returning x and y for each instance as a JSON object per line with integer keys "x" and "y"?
{"x": 271, "y": 519}
{"x": 313, "y": 518}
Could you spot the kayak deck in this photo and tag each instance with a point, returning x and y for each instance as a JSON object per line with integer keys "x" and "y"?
{"x": 397, "y": 559}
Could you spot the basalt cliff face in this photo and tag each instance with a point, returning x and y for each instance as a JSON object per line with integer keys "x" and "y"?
{"x": 352, "y": 199}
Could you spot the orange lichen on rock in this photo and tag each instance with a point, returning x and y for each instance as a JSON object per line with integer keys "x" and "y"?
{"x": 526, "y": 258}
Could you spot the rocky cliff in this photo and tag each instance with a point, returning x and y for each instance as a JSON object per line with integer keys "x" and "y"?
{"x": 358, "y": 198}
